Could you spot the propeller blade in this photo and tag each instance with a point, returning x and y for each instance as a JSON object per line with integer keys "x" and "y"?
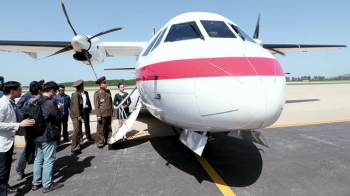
{"x": 65, "y": 49}
{"x": 105, "y": 32}
{"x": 65, "y": 13}
{"x": 256, "y": 33}
{"x": 86, "y": 54}
{"x": 119, "y": 69}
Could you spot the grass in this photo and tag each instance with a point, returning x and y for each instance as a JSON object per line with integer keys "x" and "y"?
{"x": 319, "y": 82}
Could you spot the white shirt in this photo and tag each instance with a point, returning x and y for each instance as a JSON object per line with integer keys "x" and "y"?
{"x": 8, "y": 124}
{"x": 84, "y": 100}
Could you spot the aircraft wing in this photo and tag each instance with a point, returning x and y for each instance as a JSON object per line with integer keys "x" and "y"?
{"x": 284, "y": 48}
{"x": 124, "y": 48}
{"x": 32, "y": 48}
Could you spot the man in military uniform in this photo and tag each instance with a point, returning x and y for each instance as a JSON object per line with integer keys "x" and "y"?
{"x": 104, "y": 112}
{"x": 76, "y": 114}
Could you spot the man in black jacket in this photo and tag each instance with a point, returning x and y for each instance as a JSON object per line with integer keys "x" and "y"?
{"x": 87, "y": 111}
{"x": 46, "y": 146}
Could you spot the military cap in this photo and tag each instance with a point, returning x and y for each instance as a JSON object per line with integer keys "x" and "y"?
{"x": 78, "y": 83}
{"x": 101, "y": 79}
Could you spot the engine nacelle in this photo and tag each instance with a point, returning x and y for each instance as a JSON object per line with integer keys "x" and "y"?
{"x": 97, "y": 52}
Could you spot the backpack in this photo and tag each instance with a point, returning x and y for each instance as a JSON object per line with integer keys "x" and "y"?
{"x": 34, "y": 112}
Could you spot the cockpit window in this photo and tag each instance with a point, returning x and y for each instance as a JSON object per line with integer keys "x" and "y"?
{"x": 151, "y": 45}
{"x": 217, "y": 29}
{"x": 242, "y": 34}
{"x": 183, "y": 31}
{"x": 159, "y": 39}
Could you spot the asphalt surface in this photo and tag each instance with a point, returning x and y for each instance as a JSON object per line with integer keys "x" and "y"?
{"x": 301, "y": 160}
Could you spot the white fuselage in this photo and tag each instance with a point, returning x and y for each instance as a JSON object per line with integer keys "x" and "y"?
{"x": 216, "y": 84}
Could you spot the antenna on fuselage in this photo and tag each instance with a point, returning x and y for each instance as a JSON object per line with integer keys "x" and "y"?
{"x": 154, "y": 30}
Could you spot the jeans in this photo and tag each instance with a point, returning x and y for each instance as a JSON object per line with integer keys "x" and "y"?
{"x": 5, "y": 167}
{"x": 27, "y": 155}
{"x": 45, "y": 158}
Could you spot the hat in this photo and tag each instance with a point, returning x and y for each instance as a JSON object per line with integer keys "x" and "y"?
{"x": 101, "y": 79}
{"x": 78, "y": 83}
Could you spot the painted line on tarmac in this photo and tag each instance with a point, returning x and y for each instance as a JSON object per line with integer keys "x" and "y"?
{"x": 308, "y": 123}
{"x": 225, "y": 190}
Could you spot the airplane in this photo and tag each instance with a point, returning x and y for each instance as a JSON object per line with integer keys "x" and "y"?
{"x": 200, "y": 72}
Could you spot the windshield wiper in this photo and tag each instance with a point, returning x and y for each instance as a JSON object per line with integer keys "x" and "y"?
{"x": 195, "y": 30}
{"x": 238, "y": 32}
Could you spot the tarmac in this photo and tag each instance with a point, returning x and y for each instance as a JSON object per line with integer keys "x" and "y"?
{"x": 308, "y": 154}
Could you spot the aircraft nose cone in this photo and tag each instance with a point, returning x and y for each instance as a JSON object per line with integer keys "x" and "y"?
{"x": 80, "y": 42}
{"x": 231, "y": 89}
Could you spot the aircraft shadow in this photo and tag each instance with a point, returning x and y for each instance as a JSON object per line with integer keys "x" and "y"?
{"x": 301, "y": 100}
{"x": 127, "y": 144}
{"x": 238, "y": 162}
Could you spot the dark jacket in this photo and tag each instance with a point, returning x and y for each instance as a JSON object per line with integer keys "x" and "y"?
{"x": 88, "y": 103}
{"x": 21, "y": 102}
{"x": 51, "y": 115}
{"x": 65, "y": 100}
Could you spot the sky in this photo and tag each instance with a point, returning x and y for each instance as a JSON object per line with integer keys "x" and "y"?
{"x": 282, "y": 22}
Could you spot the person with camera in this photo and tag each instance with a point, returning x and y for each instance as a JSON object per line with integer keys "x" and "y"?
{"x": 46, "y": 142}
{"x": 63, "y": 99}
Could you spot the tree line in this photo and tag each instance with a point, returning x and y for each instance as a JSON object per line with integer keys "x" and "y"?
{"x": 316, "y": 78}
{"x": 109, "y": 82}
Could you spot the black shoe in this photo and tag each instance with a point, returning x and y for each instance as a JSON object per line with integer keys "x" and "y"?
{"x": 76, "y": 152}
{"x": 55, "y": 185}
{"x": 36, "y": 187}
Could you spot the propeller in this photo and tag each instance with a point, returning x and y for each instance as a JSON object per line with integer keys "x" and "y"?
{"x": 81, "y": 43}
{"x": 256, "y": 36}
{"x": 256, "y": 33}
{"x": 65, "y": 13}
{"x": 105, "y": 32}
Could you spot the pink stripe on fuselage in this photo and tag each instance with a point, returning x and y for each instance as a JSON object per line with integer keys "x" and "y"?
{"x": 211, "y": 67}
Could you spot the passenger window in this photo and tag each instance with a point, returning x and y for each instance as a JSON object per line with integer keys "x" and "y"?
{"x": 217, "y": 29}
{"x": 159, "y": 39}
{"x": 183, "y": 31}
{"x": 151, "y": 45}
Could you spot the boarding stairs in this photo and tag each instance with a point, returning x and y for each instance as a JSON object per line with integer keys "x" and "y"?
{"x": 126, "y": 122}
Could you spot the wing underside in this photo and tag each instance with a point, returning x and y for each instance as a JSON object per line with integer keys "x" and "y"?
{"x": 32, "y": 48}
{"x": 284, "y": 48}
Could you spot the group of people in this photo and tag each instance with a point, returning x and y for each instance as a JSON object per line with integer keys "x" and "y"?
{"x": 56, "y": 109}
